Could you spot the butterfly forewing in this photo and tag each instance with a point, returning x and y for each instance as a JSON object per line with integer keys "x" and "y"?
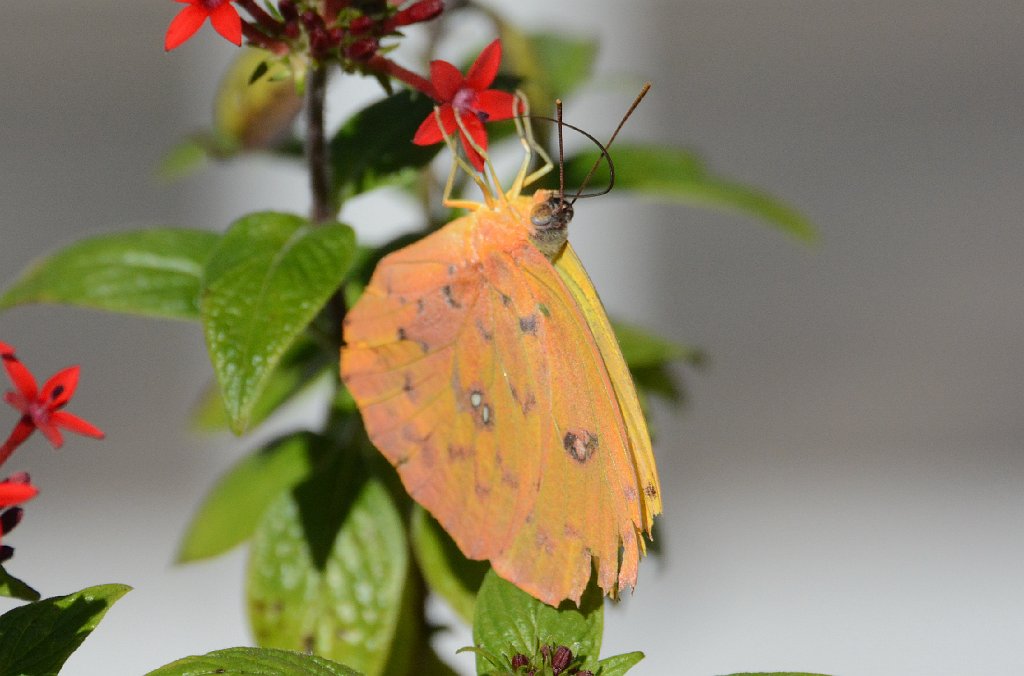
{"x": 481, "y": 379}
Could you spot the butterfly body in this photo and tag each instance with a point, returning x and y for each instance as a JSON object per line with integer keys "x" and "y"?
{"x": 488, "y": 375}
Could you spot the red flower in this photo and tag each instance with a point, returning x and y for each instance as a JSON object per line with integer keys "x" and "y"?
{"x": 467, "y": 99}
{"x": 41, "y": 410}
{"x": 222, "y": 15}
{"x": 16, "y": 489}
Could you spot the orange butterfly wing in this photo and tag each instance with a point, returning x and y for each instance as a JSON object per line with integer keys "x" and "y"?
{"x": 480, "y": 379}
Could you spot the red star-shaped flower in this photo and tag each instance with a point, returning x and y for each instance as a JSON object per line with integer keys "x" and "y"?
{"x": 221, "y": 13}
{"x": 41, "y": 409}
{"x": 468, "y": 100}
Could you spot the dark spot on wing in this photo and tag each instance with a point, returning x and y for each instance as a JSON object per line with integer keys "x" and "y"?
{"x": 484, "y": 333}
{"x": 528, "y": 324}
{"x": 580, "y": 445}
{"x": 420, "y": 306}
{"x": 506, "y": 300}
{"x": 544, "y": 542}
{"x": 407, "y": 385}
{"x": 482, "y": 491}
{"x": 449, "y": 299}
{"x": 451, "y": 270}
{"x": 650, "y": 491}
{"x": 459, "y": 452}
{"x": 544, "y": 309}
{"x": 401, "y": 333}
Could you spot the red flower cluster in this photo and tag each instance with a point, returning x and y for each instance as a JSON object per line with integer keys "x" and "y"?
{"x": 467, "y": 100}
{"x": 338, "y": 29}
{"x": 41, "y": 409}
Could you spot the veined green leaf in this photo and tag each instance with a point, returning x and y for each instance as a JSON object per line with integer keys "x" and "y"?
{"x": 39, "y": 637}
{"x": 233, "y": 509}
{"x": 329, "y": 572}
{"x": 254, "y": 662}
{"x": 303, "y": 364}
{"x": 676, "y": 175}
{"x": 374, "y": 147}
{"x": 267, "y": 279}
{"x": 508, "y": 621}
{"x": 618, "y": 664}
{"x": 147, "y": 272}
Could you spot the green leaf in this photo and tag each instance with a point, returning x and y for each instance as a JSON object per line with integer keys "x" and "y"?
{"x": 265, "y": 281}
{"x": 510, "y": 621}
{"x": 13, "y": 588}
{"x": 641, "y": 348}
{"x": 776, "y": 673}
{"x": 329, "y": 572}
{"x": 374, "y": 147}
{"x": 254, "y": 661}
{"x": 148, "y": 272}
{"x": 233, "y": 509}
{"x": 36, "y": 639}
{"x": 303, "y": 364}
{"x": 618, "y": 664}
{"x": 448, "y": 572}
{"x": 649, "y": 359}
{"x": 678, "y": 176}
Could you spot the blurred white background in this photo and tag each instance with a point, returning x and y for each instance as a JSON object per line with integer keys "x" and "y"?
{"x": 845, "y": 491}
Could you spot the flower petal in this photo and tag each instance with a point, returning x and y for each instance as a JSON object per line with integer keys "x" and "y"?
{"x": 496, "y": 104}
{"x": 447, "y": 80}
{"x": 429, "y": 133}
{"x": 483, "y": 71}
{"x": 12, "y": 493}
{"x": 184, "y": 26}
{"x": 226, "y": 21}
{"x": 58, "y": 390}
{"x": 50, "y": 431}
{"x": 476, "y": 130}
{"x": 20, "y": 376}
{"x": 72, "y": 422}
{"x": 5, "y": 349}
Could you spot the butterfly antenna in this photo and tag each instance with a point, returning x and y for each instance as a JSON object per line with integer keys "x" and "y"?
{"x": 604, "y": 150}
{"x": 561, "y": 151}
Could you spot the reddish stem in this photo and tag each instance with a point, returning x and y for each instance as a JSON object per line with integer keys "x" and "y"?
{"x": 382, "y": 64}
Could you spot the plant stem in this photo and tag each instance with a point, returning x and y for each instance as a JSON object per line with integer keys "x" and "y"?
{"x": 316, "y": 146}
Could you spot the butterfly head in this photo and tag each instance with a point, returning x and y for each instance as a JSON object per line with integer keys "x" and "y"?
{"x": 549, "y": 221}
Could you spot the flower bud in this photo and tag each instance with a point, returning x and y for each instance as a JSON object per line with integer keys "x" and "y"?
{"x": 424, "y": 10}
{"x": 520, "y": 660}
{"x": 10, "y": 518}
{"x": 561, "y": 660}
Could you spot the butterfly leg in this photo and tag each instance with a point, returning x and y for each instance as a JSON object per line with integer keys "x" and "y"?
{"x": 459, "y": 162}
{"x": 530, "y": 145}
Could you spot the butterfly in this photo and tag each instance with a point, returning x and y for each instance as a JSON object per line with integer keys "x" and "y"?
{"x": 487, "y": 372}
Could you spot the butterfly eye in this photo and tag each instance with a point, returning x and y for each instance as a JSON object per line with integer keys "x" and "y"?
{"x": 552, "y": 214}
{"x": 550, "y": 219}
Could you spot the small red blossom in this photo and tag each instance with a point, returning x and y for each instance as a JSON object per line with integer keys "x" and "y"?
{"x": 14, "y": 490}
{"x": 467, "y": 100}
{"x": 41, "y": 409}
{"x": 221, "y": 13}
